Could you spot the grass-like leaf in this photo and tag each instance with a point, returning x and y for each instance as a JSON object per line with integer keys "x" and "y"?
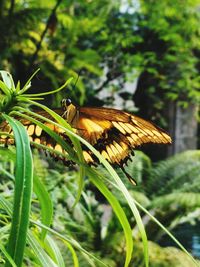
{"x": 45, "y": 203}
{"x": 7, "y": 79}
{"x": 118, "y": 211}
{"x": 22, "y": 195}
{"x": 7, "y": 256}
{"x": 54, "y": 251}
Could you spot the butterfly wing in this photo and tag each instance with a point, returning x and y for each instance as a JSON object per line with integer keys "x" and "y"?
{"x": 112, "y": 132}
{"x": 36, "y": 133}
{"x": 116, "y": 133}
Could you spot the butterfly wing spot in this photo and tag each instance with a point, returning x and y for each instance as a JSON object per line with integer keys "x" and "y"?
{"x": 3, "y": 136}
{"x": 105, "y": 155}
{"x": 131, "y": 141}
{"x": 51, "y": 126}
{"x": 136, "y": 139}
{"x": 87, "y": 157}
{"x": 38, "y": 131}
{"x": 37, "y": 140}
{"x": 59, "y": 148}
{"x": 116, "y": 153}
{"x": 140, "y": 135}
{"x": 134, "y": 129}
{"x": 125, "y": 127}
{"x": 131, "y": 127}
{"x": 30, "y": 129}
{"x": 146, "y": 139}
{"x": 124, "y": 148}
{"x": 150, "y": 133}
{"x": 120, "y": 128}
{"x": 60, "y": 130}
{"x": 134, "y": 120}
{"x": 167, "y": 138}
{"x": 156, "y": 133}
{"x": 118, "y": 147}
{"x": 111, "y": 154}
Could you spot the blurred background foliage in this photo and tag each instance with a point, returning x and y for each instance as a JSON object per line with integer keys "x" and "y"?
{"x": 94, "y": 225}
{"x": 138, "y": 55}
{"x": 158, "y": 42}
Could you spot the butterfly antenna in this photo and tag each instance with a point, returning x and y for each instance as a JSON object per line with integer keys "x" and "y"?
{"x": 78, "y": 75}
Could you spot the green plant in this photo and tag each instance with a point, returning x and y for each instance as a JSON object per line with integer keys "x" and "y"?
{"x": 42, "y": 248}
{"x": 14, "y": 100}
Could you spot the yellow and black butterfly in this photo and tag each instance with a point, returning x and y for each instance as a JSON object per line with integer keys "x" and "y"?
{"x": 114, "y": 133}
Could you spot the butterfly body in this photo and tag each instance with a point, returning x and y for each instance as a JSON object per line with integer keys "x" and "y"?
{"x": 114, "y": 133}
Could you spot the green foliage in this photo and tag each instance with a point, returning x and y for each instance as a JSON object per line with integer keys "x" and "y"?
{"x": 164, "y": 257}
{"x": 170, "y": 176}
{"x": 92, "y": 223}
{"x": 104, "y": 42}
{"x": 174, "y": 40}
{"x": 172, "y": 187}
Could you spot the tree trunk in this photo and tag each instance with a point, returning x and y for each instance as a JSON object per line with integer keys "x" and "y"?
{"x": 183, "y": 127}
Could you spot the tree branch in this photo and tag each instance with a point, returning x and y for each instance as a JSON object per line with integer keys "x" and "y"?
{"x": 11, "y": 9}
{"x": 2, "y": 6}
{"x": 107, "y": 81}
{"x": 42, "y": 36}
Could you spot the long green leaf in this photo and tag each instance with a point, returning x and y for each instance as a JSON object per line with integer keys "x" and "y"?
{"x": 4, "y": 251}
{"x": 7, "y": 79}
{"x": 54, "y": 251}
{"x": 33, "y": 242}
{"x": 22, "y": 194}
{"x": 41, "y": 254}
{"x": 118, "y": 211}
{"x": 74, "y": 256}
{"x": 73, "y": 242}
{"x": 45, "y": 93}
{"x": 5, "y": 89}
{"x": 27, "y": 84}
{"x": 45, "y": 202}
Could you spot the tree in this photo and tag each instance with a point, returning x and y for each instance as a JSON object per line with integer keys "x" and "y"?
{"x": 157, "y": 42}
{"x": 170, "y": 79}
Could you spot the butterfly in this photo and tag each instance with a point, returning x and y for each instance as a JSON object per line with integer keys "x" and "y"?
{"x": 114, "y": 133}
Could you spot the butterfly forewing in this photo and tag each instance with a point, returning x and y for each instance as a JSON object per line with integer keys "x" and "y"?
{"x": 99, "y": 122}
